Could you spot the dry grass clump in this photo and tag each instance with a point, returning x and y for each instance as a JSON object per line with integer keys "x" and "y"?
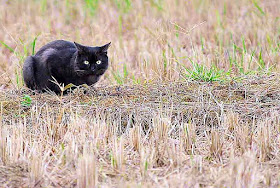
{"x": 191, "y": 98}
{"x": 158, "y": 138}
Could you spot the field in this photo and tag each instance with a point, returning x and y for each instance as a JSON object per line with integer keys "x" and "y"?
{"x": 191, "y": 97}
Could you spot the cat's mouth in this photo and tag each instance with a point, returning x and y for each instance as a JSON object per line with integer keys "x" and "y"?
{"x": 94, "y": 72}
{"x": 81, "y": 72}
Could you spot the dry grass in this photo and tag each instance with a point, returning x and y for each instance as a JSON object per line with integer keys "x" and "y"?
{"x": 145, "y": 123}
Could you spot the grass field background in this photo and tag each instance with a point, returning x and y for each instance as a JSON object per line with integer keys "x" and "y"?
{"x": 191, "y": 97}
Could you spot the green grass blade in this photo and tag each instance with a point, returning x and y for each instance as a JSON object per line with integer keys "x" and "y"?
{"x": 258, "y": 7}
{"x": 7, "y": 46}
{"x": 33, "y": 45}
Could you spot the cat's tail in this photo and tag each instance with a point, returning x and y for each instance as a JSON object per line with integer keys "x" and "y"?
{"x": 29, "y": 72}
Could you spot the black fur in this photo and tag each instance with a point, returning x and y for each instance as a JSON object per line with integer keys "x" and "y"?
{"x": 65, "y": 62}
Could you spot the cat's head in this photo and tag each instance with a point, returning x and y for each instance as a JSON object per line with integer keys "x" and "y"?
{"x": 91, "y": 60}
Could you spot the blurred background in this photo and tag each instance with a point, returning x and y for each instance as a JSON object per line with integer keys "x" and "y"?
{"x": 152, "y": 40}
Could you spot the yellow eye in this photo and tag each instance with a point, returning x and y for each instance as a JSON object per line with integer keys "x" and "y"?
{"x": 86, "y": 62}
{"x": 98, "y": 62}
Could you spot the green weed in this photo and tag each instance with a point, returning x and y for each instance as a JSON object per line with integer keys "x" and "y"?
{"x": 123, "y": 5}
{"x": 92, "y": 6}
{"x": 258, "y": 7}
{"x": 33, "y": 44}
{"x": 158, "y": 4}
{"x": 202, "y": 73}
{"x": 7, "y": 46}
{"x": 121, "y": 78}
{"x": 27, "y": 101}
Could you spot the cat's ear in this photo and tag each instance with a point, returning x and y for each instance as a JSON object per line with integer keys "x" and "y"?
{"x": 80, "y": 47}
{"x": 104, "y": 48}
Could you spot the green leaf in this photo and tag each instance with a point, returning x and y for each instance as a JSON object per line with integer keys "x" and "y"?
{"x": 27, "y": 100}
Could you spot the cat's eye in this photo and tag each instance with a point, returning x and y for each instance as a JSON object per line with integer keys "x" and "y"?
{"x": 86, "y": 62}
{"x": 98, "y": 62}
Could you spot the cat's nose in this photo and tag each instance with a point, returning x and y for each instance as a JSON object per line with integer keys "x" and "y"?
{"x": 92, "y": 69}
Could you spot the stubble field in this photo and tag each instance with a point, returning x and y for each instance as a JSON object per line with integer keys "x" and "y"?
{"x": 191, "y": 97}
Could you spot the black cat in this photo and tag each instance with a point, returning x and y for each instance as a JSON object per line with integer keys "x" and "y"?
{"x": 64, "y": 62}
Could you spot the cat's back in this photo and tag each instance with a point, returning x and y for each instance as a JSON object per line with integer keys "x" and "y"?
{"x": 56, "y": 46}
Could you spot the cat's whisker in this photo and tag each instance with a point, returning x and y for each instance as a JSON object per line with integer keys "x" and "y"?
{"x": 80, "y": 70}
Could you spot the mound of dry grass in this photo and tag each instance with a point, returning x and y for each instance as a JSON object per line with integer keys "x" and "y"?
{"x": 179, "y": 134}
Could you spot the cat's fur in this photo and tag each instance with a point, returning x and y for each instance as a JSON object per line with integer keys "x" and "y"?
{"x": 64, "y": 61}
